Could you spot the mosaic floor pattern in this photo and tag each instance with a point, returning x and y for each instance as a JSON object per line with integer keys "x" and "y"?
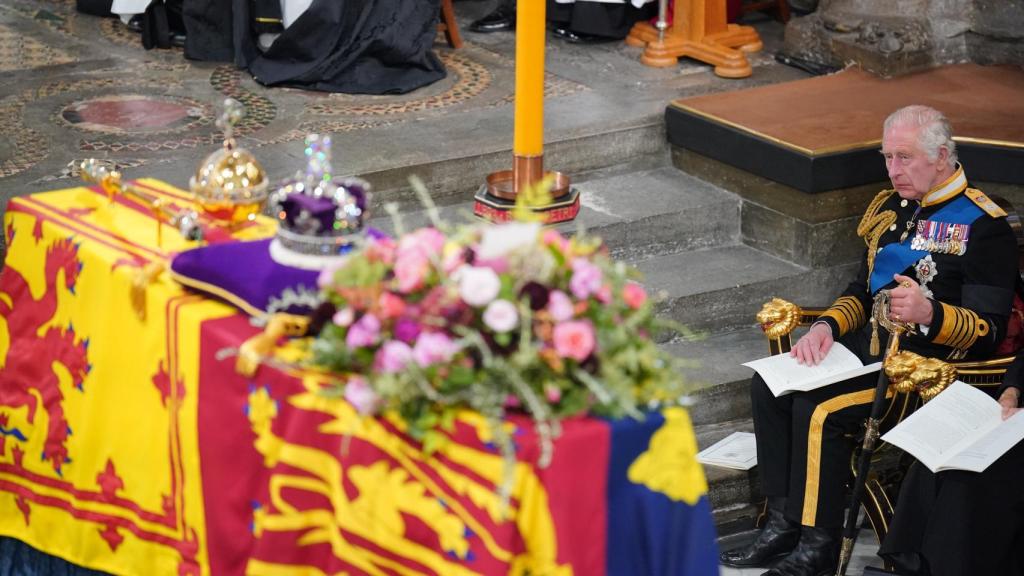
{"x": 129, "y": 104}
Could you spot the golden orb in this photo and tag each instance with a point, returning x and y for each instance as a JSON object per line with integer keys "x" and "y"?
{"x": 230, "y": 185}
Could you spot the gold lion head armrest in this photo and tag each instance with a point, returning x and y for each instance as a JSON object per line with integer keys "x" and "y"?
{"x": 778, "y": 317}
{"x": 909, "y": 372}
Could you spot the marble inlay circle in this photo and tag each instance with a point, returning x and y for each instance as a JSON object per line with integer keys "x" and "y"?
{"x": 133, "y": 114}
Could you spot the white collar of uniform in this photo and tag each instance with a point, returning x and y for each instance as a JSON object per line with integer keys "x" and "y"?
{"x": 953, "y": 185}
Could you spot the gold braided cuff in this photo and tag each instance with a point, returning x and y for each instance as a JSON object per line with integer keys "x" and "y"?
{"x": 960, "y": 327}
{"x": 848, "y": 314}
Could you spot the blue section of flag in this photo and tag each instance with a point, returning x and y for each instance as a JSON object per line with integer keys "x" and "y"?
{"x": 648, "y": 532}
{"x": 895, "y": 258}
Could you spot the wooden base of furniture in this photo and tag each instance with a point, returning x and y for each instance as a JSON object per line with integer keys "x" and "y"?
{"x": 724, "y": 50}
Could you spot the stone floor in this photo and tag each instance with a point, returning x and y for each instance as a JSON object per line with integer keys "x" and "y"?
{"x": 79, "y": 86}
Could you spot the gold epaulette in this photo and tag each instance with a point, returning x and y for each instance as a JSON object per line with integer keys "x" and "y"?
{"x": 985, "y": 203}
{"x": 874, "y": 224}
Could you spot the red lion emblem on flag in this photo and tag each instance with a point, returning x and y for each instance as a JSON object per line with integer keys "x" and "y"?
{"x": 28, "y": 377}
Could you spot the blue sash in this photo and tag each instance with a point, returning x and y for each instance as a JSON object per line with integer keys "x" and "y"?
{"x": 895, "y": 258}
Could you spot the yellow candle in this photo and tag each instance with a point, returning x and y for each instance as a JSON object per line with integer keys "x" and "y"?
{"x": 530, "y": 30}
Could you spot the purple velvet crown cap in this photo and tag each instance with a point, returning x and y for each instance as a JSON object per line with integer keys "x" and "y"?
{"x": 340, "y": 211}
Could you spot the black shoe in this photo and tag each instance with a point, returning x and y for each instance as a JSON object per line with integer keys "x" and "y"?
{"x": 502, "y": 18}
{"x": 778, "y": 538}
{"x": 577, "y": 38}
{"x": 135, "y": 23}
{"x": 178, "y": 39}
{"x": 817, "y": 554}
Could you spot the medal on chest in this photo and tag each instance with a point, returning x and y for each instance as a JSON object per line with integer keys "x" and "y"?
{"x": 941, "y": 237}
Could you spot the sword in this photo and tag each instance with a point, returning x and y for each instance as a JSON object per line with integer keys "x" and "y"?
{"x": 879, "y": 317}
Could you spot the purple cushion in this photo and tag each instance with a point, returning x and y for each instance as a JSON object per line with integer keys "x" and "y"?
{"x": 243, "y": 274}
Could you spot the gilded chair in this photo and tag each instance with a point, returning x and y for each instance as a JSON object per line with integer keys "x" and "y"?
{"x": 912, "y": 377}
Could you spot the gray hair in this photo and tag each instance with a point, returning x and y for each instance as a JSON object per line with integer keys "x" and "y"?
{"x": 934, "y": 133}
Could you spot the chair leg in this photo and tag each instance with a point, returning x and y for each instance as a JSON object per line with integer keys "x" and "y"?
{"x": 451, "y": 28}
{"x": 783, "y": 6}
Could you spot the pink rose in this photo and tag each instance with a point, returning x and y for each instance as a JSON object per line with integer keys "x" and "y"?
{"x": 364, "y": 332}
{"x": 574, "y": 339}
{"x": 414, "y": 256}
{"x": 411, "y": 269}
{"x": 362, "y": 396}
{"x": 433, "y": 348}
{"x": 501, "y": 316}
{"x": 427, "y": 241}
{"x": 586, "y": 278}
{"x": 391, "y": 306}
{"x": 478, "y": 285}
{"x": 634, "y": 295}
{"x": 604, "y": 294}
{"x": 560, "y": 306}
{"x": 392, "y": 357}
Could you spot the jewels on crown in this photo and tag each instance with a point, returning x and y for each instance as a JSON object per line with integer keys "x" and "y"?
{"x": 318, "y": 213}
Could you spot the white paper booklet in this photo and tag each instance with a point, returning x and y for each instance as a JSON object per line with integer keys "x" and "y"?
{"x": 960, "y": 429}
{"x": 737, "y": 451}
{"x": 783, "y": 374}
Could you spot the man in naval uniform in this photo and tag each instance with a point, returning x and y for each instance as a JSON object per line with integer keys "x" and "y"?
{"x": 948, "y": 256}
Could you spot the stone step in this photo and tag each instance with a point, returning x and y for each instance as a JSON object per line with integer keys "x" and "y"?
{"x": 734, "y": 494}
{"x": 639, "y": 213}
{"x": 714, "y": 373}
{"x": 721, "y": 288}
{"x": 721, "y": 407}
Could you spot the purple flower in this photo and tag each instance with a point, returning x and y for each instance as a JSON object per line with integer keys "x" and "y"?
{"x": 537, "y": 294}
{"x": 362, "y": 396}
{"x": 364, "y": 332}
{"x": 392, "y": 357}
{"x": 407, "y": 330}
{"x": 433, "y": 348}
{"x": 501, "y": 316}
{"x": 560, "y": 306}
{"x": 586, "y": 278}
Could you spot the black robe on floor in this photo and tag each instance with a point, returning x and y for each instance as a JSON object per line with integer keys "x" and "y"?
{"x": 351, "y": 46}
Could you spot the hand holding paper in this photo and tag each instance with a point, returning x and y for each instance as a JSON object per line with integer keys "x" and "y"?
{"x": 783, "y": 373}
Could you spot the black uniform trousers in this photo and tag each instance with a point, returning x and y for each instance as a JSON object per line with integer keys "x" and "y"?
{"x": 805, "y": 441}
{"x": 962, "y": 523}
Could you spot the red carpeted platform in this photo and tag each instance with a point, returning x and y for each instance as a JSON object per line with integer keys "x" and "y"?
{"x": 824, "y": 133}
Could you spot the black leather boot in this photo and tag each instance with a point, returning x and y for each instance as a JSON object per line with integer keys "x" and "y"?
{"x": 816, "y": 555}
{"x": 778, "y": 538}
{"x": 502, "y": 18}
